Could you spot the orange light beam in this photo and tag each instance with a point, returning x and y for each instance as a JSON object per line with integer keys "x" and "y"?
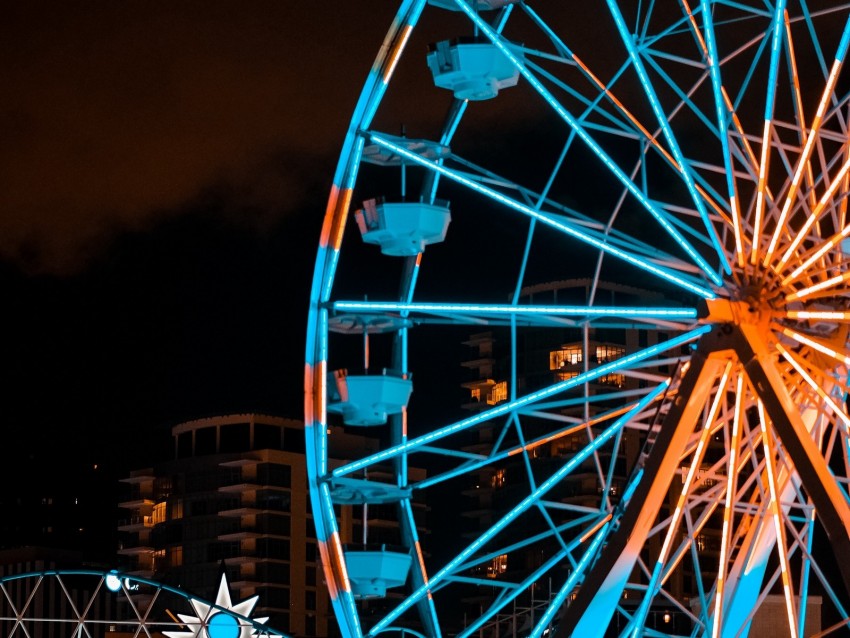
{"x": 652, "y": 139}
{"x": 813, "y": 216}
{"x": 769, "y": 107}
{"x": 816, "y": 345}
{"x": 825, "y": 397}
{"x": 705, "y": 435}
{"x": 828, "y": 245}
{"x": 823, "y": 285}
{"x": 817, "y": 315}
{"x": 779, "y": 528}
{"x": 805, "y": 156}
{"x": 731, "y": 483}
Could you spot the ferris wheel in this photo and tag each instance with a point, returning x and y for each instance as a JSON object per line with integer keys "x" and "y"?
{"x": 677, "y": 462}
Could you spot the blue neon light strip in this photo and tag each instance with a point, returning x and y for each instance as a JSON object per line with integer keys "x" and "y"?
{"x": 775, "y": 47}
{"x": 325, "y": 268}
{"x": 503, "y": 601}
{"x": 719, "y": 103}
{"x": 528, "y": 399}
{"x": 483, "y": 461}
{"x": 582, "y": 521}
{"x": 661, "y": 117}
{"x": 564, "y": 227}
{"x": 557, "y": 209}
{"x": 344, "y": 596}
{"x": 656, "y": 212}
{"x": 499, "y": 309}
{"x": 568, "y": 54}
{"x": 515, "y": 590}
{"x": 554, "y": 605}
{"x": 529, "y": 501}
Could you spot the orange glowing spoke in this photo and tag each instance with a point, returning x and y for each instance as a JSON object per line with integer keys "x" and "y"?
{"x": 815, "y": 288}
{"x": 798, "y": 103}
{"x": 652, "y": 139}
{"x": 705, "y": 436}
{"x": 733, "y": 198}
{"x": 842, "y": 357}
{"x": 779, "y": 528}
{"x": 760, "y": 192}
{"x": 823, "y": 202}
{"x": 825, "y": 397}
{"x": 803, "y": 163}
{"x": 739, "y": 128}
{"x": 828, "y": 245}
{"x": 731, "y": 482}
{"x": 817, "y": 315}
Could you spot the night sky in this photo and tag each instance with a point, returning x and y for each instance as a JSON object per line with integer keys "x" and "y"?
{"x": 163, "y": 174}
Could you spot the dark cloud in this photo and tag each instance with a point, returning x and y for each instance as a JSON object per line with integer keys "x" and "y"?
{"x": 113, "y": 114}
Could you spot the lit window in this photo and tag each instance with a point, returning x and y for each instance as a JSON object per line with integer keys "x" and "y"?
{"x": 606, "y": 353}
{"x": 567, "y": 356}
{"x": 615, "y": 379}
{"x": 497, "y": 566}
{"x": 498, "y": 479}
{"x": 563, "y": 376}
{"x": 159, "y": 513}
{"x": 158, "y": 558}
{"x": 498, "y": 392}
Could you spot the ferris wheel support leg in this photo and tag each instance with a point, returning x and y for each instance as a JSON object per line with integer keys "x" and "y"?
{"x": 806, "y": 457}
{"x": 590, "y": 613}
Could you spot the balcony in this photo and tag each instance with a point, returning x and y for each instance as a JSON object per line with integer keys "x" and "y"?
{"x": 239, "y": 536}
{"x": 136, "y": 503}
{"x": 136, "y": 551}
{"x": 239, "y": 488}
{"x": 239, "y": 512}
{"x": 135, "y": 524}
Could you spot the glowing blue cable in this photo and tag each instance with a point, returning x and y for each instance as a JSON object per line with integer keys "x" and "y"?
{"x": 529, "y": 501}
{"x": 528, "y": 399}
{"x": 554, "y": 605}
{"x": 564, "y": 227}
{"x": 657, "y": 213}
{"x": 663, "y": 122}
{"x": 719, "y": 103}
{"x": 497, "y": 309}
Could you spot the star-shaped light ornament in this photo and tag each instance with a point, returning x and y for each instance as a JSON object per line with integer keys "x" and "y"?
{"x": 212, "y": 621}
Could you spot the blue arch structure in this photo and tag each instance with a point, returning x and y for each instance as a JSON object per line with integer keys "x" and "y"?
{"x": 87, "y": 603}
{"x": 694, "y": 152}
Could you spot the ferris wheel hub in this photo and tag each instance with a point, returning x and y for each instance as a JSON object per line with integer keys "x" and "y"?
{"x": 748, "y": 310}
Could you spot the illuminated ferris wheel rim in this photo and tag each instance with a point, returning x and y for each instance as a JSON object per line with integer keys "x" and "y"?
{"x": 773, "y": 314}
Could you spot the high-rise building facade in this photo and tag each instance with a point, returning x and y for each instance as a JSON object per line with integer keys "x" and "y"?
{"x": 234, "y": 493}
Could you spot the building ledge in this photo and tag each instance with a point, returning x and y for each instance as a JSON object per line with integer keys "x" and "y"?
{"x": 238, "y": 536}
{"x": 135, "y": 551}
{"x": 136, "y": 503}
{"x": 240, "y": 487}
